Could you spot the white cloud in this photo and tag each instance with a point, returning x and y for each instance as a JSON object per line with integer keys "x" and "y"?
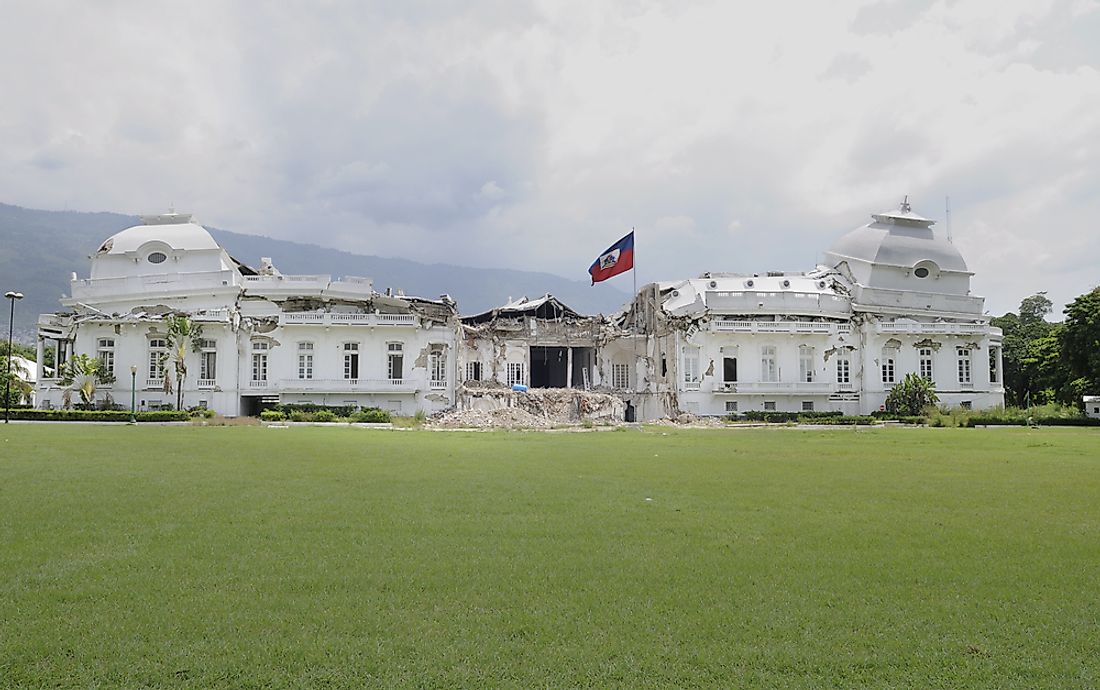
{"x": 534, "y": 134}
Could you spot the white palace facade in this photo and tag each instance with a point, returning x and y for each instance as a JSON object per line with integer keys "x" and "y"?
{"x": 892, "y": 297}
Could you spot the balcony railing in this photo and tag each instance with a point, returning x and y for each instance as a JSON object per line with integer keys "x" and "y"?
{"x": 823, "y": 328}
{"x": 329, "y": 318}
{"x": 933, "y": 328}
{"x": 257, "y": 384}
{"x": 793, "y": 387}
{"x": 206, "y": 384}
{"x": 157, "y": 384}
{"x": 750, "y": 302}
{"x": 348, "y": 386}
{"x": 959, "y": 304}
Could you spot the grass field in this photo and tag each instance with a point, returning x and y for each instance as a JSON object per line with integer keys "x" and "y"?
{"x": 309, "y": 557}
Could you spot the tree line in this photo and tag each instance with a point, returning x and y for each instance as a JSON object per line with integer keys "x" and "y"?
{"x": 1051, "y": 362}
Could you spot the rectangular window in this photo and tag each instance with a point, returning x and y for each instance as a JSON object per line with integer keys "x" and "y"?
{"x": 888, "y": 371}
{"x": 208, "y": 365}
{"x": 925, "y": 354}
{"x": 731, "y": 406}
{"x": 473, "y": 371}
{"x": 259, "y": 366}
{"x": 843, "y": 370}
{"x": 729, "y": 369}
{"x": 305, "y": 361}
{"x": 437, "y": 368}
{"x": 994, "y": 374}
{"x": 620, "y": 376}
{"x": 769, "y": 405}
{"x": 807, "y": 405}
{"x": 691, "y": 365}
{"x": 351, "y": 361}
{"x": 158, "y": 357}
{"x": 768, "y": 370}
{"x": 964, "y": 354}
{"x": 208, "y": 362}
{"x": 967, "y": 404}
{"x": 805, "y": 364}
{"x": 106, "y": 355}
{"x": 516, "y": 373}
{"x": 395, "y": 361}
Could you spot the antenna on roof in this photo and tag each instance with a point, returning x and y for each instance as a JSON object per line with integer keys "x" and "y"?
{"x": 947, "y": 221}
{"x": 905, "y": 204}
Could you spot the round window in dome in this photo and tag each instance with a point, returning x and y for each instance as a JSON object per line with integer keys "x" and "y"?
{"x": 921, "y": 272}
{"x": 157, "y": 257}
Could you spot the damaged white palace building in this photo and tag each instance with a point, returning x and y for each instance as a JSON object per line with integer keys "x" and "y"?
{"x": 892, "y": 297}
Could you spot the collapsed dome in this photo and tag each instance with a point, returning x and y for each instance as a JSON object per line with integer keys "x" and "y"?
{"x": 175, "y": 231}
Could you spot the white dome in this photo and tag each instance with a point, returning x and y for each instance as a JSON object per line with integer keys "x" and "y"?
{"x": 897, "y": 238}
{"x": 174, "y": 230}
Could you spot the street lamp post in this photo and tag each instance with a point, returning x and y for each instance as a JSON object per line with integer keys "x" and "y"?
{"x": 12, "y": 296}
{"x": 133, "y": 393}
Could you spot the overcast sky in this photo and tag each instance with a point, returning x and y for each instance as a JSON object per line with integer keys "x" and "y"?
{"x": 734, "y": 136}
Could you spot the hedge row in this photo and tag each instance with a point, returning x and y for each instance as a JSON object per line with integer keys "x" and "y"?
{"x": 366, "y": 415}
{"x": 813, "y": 418}
{"x": 313, "y": 408}
{"x": 770, "y": 416}
{"x": 98, "y": 416}
{"x": 996, "y": 420}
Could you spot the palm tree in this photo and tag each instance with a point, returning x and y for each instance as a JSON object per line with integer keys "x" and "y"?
{"x": 183, "y": 334}
{"x": 82, "y": 374}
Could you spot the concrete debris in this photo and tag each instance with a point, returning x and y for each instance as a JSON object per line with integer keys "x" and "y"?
{"x": 482, "y": 406}
{"x": 500, "y": 418}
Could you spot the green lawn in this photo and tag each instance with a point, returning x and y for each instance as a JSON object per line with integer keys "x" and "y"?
{"x": 331, "y": 557}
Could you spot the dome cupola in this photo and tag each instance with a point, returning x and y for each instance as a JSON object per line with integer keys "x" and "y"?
{"x": 897, "y": 258}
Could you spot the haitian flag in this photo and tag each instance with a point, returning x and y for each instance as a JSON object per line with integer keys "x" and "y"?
{"x": 618, "y": 258}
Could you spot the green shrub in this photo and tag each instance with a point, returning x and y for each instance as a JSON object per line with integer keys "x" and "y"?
{"x": 272, "y": 415}
{"x": 780, "y": 417}
{"x": 911, "y": 396}
{"x": 846, "y": 420}
{"x": 987, "y": 419}
{"x": 371, "y": 415}
{"x": 300, "y": 416}
{"x": 338, "y": 410}
{"x": 324, "y": 416}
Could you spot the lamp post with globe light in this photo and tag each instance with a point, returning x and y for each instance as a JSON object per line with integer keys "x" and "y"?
{"x": 12, "y": 296}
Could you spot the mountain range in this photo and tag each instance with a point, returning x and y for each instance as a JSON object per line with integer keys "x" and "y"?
{"x": 40, "y": 250}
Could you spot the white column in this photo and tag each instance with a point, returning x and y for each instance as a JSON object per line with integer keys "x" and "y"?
{"x": 568, "y": 367}
{"x": 41, "y": 356}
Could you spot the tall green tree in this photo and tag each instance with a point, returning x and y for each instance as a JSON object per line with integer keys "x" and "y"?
{"x": 1033, "y": 371}
{"x": 1080, "y": 343}
{"x": 18, "y": 350}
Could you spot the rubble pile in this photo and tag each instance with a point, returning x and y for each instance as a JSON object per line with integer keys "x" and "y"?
{"x": 536, "y": 408}
{"x": 500, "y": 418}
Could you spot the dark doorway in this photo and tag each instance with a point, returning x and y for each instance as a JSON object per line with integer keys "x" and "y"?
{"x": 549, "y": 367}
{"x": 583, "y": 360}
{"x": 250, "y": 406}
{"x": 729, "y": 369}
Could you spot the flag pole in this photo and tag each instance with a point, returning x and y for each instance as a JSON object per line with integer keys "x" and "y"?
{"x": 634, "y": 328}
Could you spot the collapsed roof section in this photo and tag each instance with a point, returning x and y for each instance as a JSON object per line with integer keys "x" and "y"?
{"x": 547, "y": 307}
